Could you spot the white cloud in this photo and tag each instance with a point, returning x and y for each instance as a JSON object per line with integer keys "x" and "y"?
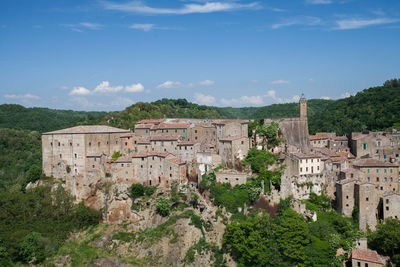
{"x": 104, "y": 87}
{"x": 144, "y": 27}
{"x": 169, "y": 84}
{"x": 79, "y": 91}
{"x": 272, "y": 94}
{"x": 134, "y": 88}
{"x": 303, "y": 20}
{"x": 253, "y": 100}
{"x": 345, "y": 95}
{"x": 319, "y": 2}
{"x": 325, "y": 97}
{"x": 208, "y": 7}
{"x": 204, "y": 99}
{"x": 280, "y": 82}
{"x": 206, "y": 83}
{"x": 80, "y": 27}
{"x": 22, "y": 97}
{"x": 356, "y": 23}
{"x": 243, "y": 100}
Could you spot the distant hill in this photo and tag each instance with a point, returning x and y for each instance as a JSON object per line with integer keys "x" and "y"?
{"x": 375, "y": 108}
{"x": 44, "y": 119}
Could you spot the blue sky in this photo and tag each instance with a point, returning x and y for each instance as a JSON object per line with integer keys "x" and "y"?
{"x": 107, "y": 55}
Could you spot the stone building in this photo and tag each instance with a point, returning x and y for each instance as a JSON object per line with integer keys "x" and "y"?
{"x": 164, "y": 143}
{"x": 71, "y": 146}
{"x": 391, "y": 205}
{"x": 367, "y": 200}
{"x": 306, "y": 163}
{"x": 232, "y": 150}
{"x": 345, "y": 196}
{"x": 384, "y": 175}
{"x": 187, "y": 150}
{"x": 229, "y": 128}
{"x": 365, "y": 258}
{"x": 231, "y": 176}
{"x": 127, "y": 143}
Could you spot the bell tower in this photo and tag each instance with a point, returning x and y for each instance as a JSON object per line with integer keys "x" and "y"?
{"x": 303, "y": 107}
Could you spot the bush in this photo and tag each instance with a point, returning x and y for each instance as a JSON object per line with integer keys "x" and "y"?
{"x": 116, "y": 155}
{"x": 163, "y": 206}
{"x": 137, "y": 190}
{"x": 149, "y": 190}
{"x": 32, "y": 248}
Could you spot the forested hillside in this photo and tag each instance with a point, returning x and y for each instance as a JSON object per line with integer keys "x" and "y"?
{"x": 44, "y": 119}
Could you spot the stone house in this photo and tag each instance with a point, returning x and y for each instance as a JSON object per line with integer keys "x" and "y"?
{"x": 164, "y": 143}
{"x": 339, "y": 143}
{"x": 369, "y": 144}
{"x": 171, "y": 129}
{"x": 391, "y": 205}
{"x": 232, "y": 150}
{"x": 365, "y": 258}
{"x": 303, "y": 164}
{"x": 384, "y": 175}
{"x": 231, "y": 176}
{"x": 203, "y": 133}
{"x": 126, "y": 143}
{"x": 187, "y": 150}
{"x": 228, "y": 128}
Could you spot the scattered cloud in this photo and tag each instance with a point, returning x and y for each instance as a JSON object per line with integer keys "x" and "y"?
{"x": 345, "y": 95}
{"x": 22, "y": 97}
{"x": 104, "y": 87}
{"x": 169, "y": 84}
{"x": 272, "y": 94}
{"x": 207, "y": 7}
{"x": 79, "y": 91}
{"x": 325, "y": 97}
{"x": 280, "y": 82}
{"x": 303, "y": 20}
{"x": 134, "y": 88}
{"x": 64, "y": 88}
{"x": 144, "y": 27}
{"x": 356, "y": 23}
{"x": 82, "y": 26}
{"x": 204, "y": 99}
{"x": 243, "y": 100}
{"x": 206, "y": 83}
{"x": 319, "y": 2}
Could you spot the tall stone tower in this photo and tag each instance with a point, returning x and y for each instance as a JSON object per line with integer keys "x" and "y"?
{"x": 303, "y": 107}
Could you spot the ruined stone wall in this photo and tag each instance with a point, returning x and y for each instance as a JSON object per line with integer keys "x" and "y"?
{"x": 294, "y": 130}
{"x": 225, "y": 150}
{"x": 391, "y": 206}
{"x": 231, "y": 177}
{"x": 367, "y": 200}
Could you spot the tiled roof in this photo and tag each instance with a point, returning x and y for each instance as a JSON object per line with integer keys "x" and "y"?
{"x": 346, "y": 181}
{"x": 358, "y": 137}
{"x": 171, "y": 126}
{"x": 319, "y": 136}
{"x": 149, "y": 154}
{"x": 150, "y": 121}
{"x": 306, "y": 156}
{"x": 341, "y": 138}
{"x": 231, "y": 138}
{"x": 348, "y": 155}
{"x": 366, "y": 255}
{"x": 373, "y": 163}
{"x": 88, "y": 129}
{"x": 176, "y": 161}
{"x": 122, "y": 159}
{"x": 186, "y": 143}
{"x": 326, "y": 151}
{"x": 222, "y": 122}
{"x": 164, "y": 138}
{"x": 143, "y": 126}
{"x": 127, "y": 135}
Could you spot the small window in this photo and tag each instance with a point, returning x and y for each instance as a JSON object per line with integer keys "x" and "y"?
{"x": 387, "y": 201}
{"x": 60, "y": 156}
{"x": 51, "y": 143}
{"x": 59, "y": 144}
{"x": 377, "y": 179}
{"x": 77, "y": 156}
{"x": 367, "y": 199}
{"x": 381, "y": 187}
{"x": 93, "y": 166}
{"x": 141, "y": 166}
{"x": 70, "y": 144}
{"x": 126, "y": 143}
{"x": 122, "y": 165}
{"x": 90, "y": 144}
{"x": 98, "y": 144}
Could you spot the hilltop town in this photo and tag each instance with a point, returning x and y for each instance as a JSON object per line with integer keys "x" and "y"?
{"x": 360, "y": 173}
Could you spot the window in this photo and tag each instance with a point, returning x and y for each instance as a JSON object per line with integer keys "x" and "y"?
{"x": 90, "y": 144}
{"x": 366, "y": 199}
{"x": 141, "y": 166}
{"x": 387, "y": 201}
{"x": 195, "y": 131}
{"x": 301, "y": 169}
{"x": 365, "y": 146}
{"x": 59, "y": 143}
{"x": 367, "y": 170}
{"x": 368, "y": 179}
{"x": 377, "y": 170}
{"x": 347, "y": 197}
{"x": 176, "y": 130}
{"x": 147, "y": 131}
{"x": 381, "y": 187}
{"x": 385, "y": 179}
{"x": 93, "y": 166}
{"x": 126, "y": 143}
{"x": 391, "y": 179}
{"x": 70, "y": 144}
{"x": 387, "y": 207}
{"x": 98, "y": 144}
{"x": 385, "y": 170}
{"x": 184, "y": 131}
{"x": 242, "y": 142}
{"x": 60, "y": 156}
{"x": 77, "y": 156}
{"x": 122, "y": 165}
{"x": 377, "y": 179}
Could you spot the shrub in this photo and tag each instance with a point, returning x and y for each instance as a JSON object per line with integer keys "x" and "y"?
{"x": 149, "y": 190}
{"x": 32, "y": 248}
{"x": 137, "y": 190}
{"x": 163, "y": 206}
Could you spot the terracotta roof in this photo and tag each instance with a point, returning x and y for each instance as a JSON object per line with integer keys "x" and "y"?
{"x": 366, "y": 255}
{"x": 337, "y": 159}
{"x": 326, "y": 151}
{"x": 127, "y": 135}
{"x": 150, "y": 121}
{"x": 149, "y": 154}
{"x": 222, "y": 122}
{"x": 122, "y": 159}
{"x": 373, "y": 163}
{"x": 176, "y": 161}
{"x": 143, "y": 126}
{"x": 186, "y": 143}
{"x": 358, "y": 137}
{"x": 346, "y": 181}
{"x": 231, "y": 138}
{"x": 341, "y": 138}
{"x": 319, "y": 136}
{"x": 171, "y": 126}
{"x": 89, "y": 129}
{"x": 348, "y": 155}
{"x": 164, "y": 138}
{"x": 306, "y": 156}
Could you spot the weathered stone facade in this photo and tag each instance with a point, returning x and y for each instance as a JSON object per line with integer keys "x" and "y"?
{"x": 391, "y": 205}
{"x": 231, "y": 176}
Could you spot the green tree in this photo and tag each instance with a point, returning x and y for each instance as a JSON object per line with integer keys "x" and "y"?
{"x": 386, "y": 238}
{"x": 292, "y": 236}
{"x": 32, "y": 248}
{"x": 163, "y": 206}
